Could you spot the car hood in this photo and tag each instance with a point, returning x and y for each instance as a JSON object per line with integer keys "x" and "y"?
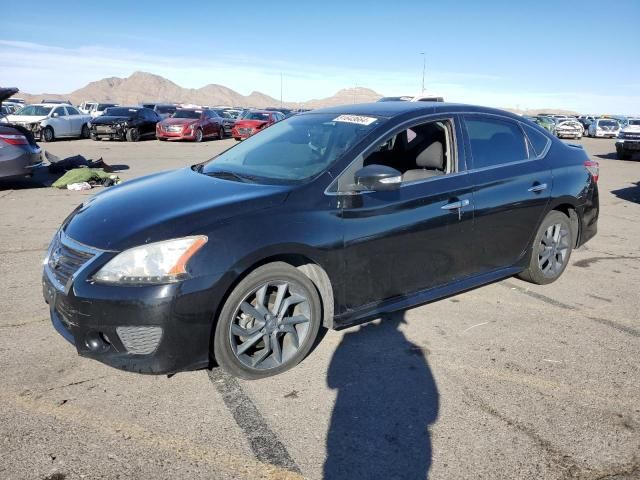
{"x": 179, "y": 121}
{"x": 570, "y": 124}
{"x": 109, "y": 120}
{"x": 631, "y": 129}
{"x": 165, "y": 205}
{"x": 250, "y": 123}
{"x": 26, "y": 118}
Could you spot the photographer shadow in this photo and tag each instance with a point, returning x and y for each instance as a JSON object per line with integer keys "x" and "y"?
{"x": 386, "y": 400}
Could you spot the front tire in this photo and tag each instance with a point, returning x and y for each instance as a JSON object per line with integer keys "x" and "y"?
{"x": 268, "y": 323}
{"x": 551, "y": 250}
{"x": 198, "y": 136}
{"x": 623, "y": 154}
{"x": 48, "y": 135}
{"x": 84, "y": 133}
{"x": 221, "y": 133}
{"x": 133, "y": 135}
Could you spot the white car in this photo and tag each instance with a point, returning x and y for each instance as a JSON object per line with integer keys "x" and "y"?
{"x": 86, "y": 107}
{"x": 99, "y": 108}
{"x": 49, "y": 121}
{"x": 604, "y": 128}
{"x": 628, "y": 141}
{"x": 568, "y": 128}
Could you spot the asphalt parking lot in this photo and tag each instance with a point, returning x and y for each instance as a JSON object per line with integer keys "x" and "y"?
{"x": 508, "y": 381}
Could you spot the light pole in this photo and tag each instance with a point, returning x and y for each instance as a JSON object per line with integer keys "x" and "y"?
{"x": 424, "y": 66}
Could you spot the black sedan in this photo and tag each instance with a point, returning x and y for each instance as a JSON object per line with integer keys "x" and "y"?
{"x": 325, "y": 220}
{"x": 125, "y": 123}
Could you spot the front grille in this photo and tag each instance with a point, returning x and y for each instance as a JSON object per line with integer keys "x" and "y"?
{"x": 140, "y": 340}
{"x": 104, "y": 129}
{"x": 64, "y": 261}
{"x": 245, "y": 131}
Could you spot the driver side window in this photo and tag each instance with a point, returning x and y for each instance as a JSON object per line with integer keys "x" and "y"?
{"x": 60, "y": 111}
{"x": 418, "y": 153}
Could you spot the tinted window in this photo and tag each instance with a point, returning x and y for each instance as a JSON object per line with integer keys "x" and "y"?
{"x": 538, "y": 140}
{"x": 495, "y": 142}
{"x": 72, "y": 111}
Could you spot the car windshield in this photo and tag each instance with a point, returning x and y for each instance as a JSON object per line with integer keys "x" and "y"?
{"x": 634, "y": 122}
{"x": 256, "y": 116}
{"x": 34, "y": 111}
{"x": 166, "y": 109}
{"x": 103, "y": 106}
{"x": 608, "y": 123}
{"x": 293, "y": 150}
{"x": 120, "y": 112}
{"x": 187, "y": 114}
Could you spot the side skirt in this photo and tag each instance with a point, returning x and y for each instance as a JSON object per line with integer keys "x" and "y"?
{"x": 371, "y": 312}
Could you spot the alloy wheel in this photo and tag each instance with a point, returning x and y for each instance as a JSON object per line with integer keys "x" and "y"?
{"x": 270, "y": 324}
{"x": 553, "y": 249}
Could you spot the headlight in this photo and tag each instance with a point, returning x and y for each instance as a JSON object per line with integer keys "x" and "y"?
{"x": 154, "y": 263}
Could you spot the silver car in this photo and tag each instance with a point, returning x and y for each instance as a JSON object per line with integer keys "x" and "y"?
{"x": 49, "y": 121}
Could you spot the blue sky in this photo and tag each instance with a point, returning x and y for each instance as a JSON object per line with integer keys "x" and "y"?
{"x": 531, "y": 54}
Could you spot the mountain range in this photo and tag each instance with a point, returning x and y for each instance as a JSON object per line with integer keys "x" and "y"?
{"x": 147, "y": 87}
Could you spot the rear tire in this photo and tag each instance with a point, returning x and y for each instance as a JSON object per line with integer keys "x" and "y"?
{"x": 279, "y": 311}
{"x": 198, "y": 136}
{"x": 221, "y": 133}
{"x": 551, "y": 250}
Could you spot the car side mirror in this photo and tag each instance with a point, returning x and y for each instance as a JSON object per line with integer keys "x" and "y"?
{"x": 55, "y": 115}
{"x": 378, "y": 178}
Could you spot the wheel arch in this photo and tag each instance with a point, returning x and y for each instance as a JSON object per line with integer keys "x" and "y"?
{"x": 569, "y": 209}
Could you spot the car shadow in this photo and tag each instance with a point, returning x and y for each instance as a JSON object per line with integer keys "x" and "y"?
{"x": 630, "y": 194}
{"x": 386, "y": 400}
{"x": 614, "y": 156}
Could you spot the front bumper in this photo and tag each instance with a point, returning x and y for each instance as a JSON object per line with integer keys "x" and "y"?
{"x": 175, "y": 135}
{"x": 108, "y": 131}
{"x": 628, "y": 145}
{"x": 155, "y": 329}
{"x": 606, "y": 134}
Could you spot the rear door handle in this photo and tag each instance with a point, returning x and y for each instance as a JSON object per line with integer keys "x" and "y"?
{"x": 538, "y": 188}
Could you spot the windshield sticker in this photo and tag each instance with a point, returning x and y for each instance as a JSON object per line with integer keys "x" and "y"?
{"x": 359, "y": 119}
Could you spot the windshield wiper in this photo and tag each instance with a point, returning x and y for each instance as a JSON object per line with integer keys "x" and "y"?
{"x": 227, "y": 175}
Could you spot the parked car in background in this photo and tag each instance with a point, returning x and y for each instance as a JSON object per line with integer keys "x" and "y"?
{"x": 56, "y": 101}
{"x": 191, "y": 124}
{"x": 234, "y": 112}
{"x": 568, "y": 128}
{"x": 165, "y": 110}
{"x": 328, "y": 219}
{"x": 585, "y": 120}
{"x": 19, "y": 152}
{"x": 49, "y": 121}
{"x": 545, "y": 122}
{"x": 125, "y": 123}
{"x": 604, "y": 128}
{"x": 86, "y": 107}
{"x": 99, "y": 108}
{"x": 253, "y": 122}
{"x": 628, "y": 141}
{"x": 228, "y": 120}
{"x": 422, "y": 97}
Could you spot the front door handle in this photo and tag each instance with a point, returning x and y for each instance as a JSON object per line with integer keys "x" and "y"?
{"x": 538, "y": 188}
{"x": 456, "y": 206}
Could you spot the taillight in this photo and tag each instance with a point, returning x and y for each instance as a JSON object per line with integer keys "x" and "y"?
{"x": 14, "y": 139}
{"x": 593, "y": 168}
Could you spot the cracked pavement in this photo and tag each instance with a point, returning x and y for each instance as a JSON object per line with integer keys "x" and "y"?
{"x": 507, "y": 381}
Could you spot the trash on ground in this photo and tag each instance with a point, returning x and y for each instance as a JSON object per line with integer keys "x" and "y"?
{"x": 95, "y": 176}
{"x": 79, "y": 186}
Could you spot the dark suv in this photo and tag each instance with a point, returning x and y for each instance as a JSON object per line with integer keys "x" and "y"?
{"x": 327, "y": 219}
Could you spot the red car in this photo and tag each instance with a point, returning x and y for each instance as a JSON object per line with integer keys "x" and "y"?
{"x": 191, "y": 124}
{"x": 253, "y": 122}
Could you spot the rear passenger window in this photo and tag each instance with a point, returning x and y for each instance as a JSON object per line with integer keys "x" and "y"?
{"x": 495, "y": 142}
{"x": 538, "y": 140}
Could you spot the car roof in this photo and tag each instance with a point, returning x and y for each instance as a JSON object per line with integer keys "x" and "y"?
{"x": 395, "y": 109}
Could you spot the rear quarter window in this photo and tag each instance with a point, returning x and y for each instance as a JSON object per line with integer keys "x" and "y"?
{"x": 539, "y": 141}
